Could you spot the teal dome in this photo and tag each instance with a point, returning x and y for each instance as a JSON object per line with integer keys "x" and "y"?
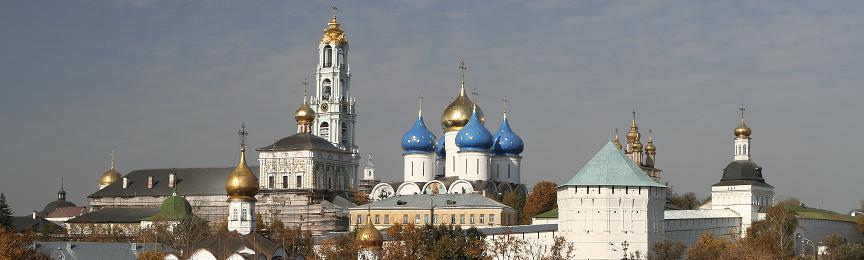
{"x": 173, "y": 208}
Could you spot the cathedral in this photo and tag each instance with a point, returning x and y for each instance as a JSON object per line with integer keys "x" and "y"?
{"x": 468, "y": 158}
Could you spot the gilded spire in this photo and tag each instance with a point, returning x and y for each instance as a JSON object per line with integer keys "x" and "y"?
{"x": 650, "y": 148}
{"x": 742, "y": 131}
{"x": 633, "y": 135}
{"x": 333, "y": 33}
{"x": 113, "y": 159}
{"x": 458, "y": 112}
{"x": 304, "y": 115}
{"x": 616, "y": 140}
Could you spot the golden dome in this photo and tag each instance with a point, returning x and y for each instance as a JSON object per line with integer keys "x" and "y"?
{"x": 633, "y": 135}
{"x": 617, "y": 141}
{"x": 241, "y": 183}
{"x": 637, "y": 146}
{"x": 369, "y": 236}
{"x": 110, "y": 176}
{"x": 650, "y": 148}
{"x": 742, "y": 130}
{"x": 333, "y": 33}
{"x": 304, "y": 114}
{"x": 456, "y": 114}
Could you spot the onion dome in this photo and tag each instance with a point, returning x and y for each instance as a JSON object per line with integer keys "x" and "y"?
{"x": 111, "y": 175}
{"x": 742, "y": 131}
{"x": 304, "y": 113}
{"x": 507, "y": 142}
{"x": 241, "y": 183}
{"x": 457, "y": 114}
{"x": 439, "y": 148}
{"x": 474, "y": 136}
{"x": 333, "y": 33}
{"x": 369, "y": 236}
{"x": 650, "y": 148}
{"x": 418, "y": 139}
{"x": 633, "y": 135}
{"x": 617, "y": 141}
{"x": 173, "y": 208}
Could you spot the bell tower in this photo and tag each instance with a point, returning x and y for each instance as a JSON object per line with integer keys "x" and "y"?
{"x": 335, "y": 108}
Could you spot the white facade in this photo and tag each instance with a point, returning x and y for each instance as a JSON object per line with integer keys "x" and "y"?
{"x": 419, "y": 167}
{"x": 598, "y": 219}
{"x": 506, "y": 168}
{"x": 304, "y": 169}
{"x": 452, "y": 154}
{"x": 473, "y": 165}
{"x": 241, "y": 216}
{"x": 746, "y": 200}
{"x": 688, "y": 225}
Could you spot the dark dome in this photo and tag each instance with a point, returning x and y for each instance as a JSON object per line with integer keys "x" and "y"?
{"x": 742, "y": 172}
{"x": 57, "y": 204}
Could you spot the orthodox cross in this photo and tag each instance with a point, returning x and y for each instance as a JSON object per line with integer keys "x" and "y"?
{"x": 333, "y": 11}
{"x": 742, "y": 111}
{"x": 113, "y": 159}
{"x": 242, "y": 133}
{"x": 462, "y": 69}
{"x": 420, "y": 112}
{"x": 305, "y": 88}
{"x": 505, "y": 105}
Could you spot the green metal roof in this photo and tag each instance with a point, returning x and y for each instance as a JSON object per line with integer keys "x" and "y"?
{"x": 548, "y": 214}
{"x": 173, "y": 208}
{"x": 611, "y": 167}
{"x": 812, "y": 213}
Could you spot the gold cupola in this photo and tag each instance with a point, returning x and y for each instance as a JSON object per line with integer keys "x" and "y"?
{"x": 242, "y": 183}
{"x": 334, "y": 34}
{"x": 633, "y": 135}
{"x": 742, "y": 131}
{"x": 111, "y": 175}
{"x": 616, "y": 140}
{"x": 457, "y": 113}
{"x": 650, "y": 148}
{"x": 368, "y": 236}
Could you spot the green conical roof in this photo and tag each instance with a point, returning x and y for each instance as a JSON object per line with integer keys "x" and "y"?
{"x": 173, "y": 208}
{"x": 611, "y": 167}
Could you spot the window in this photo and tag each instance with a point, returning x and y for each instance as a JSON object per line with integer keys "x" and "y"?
{"x": 271, "y": 181}
{"x": 472, "y": 219}
{"x": 329, "y": 183}
{"x": 328, "y": 56}
{"x": 285, "y": 181}
{"x": 417, "y": 219}
{"x": 377, "y": 219}
{"x": 359, "y": 219}
{"x": 234, "y": 215}
{"x": 452, "y": 218}
{"x": 481, "y": 218}
{"x": 345, "y": 134}
{"x": 491, "y": 219}
{"x": 386, "y": 218}
{"x": 405, "y": 219}
{"x": 243, "y": 215}
{"x": 324, "y": 130}
{"x": 340, "y": 57}
{"x": 461, "y": 218}
{"x": 426, "y": 219}
{"x": 435, "y": 219}
{"x": 299, "y": 183}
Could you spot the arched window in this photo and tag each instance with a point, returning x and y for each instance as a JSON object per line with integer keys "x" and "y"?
{"x": 328, "y": 56}
{"x": 340, "y": 58}
{"x": 324, "y": 130}
{"x": 344, "y": 134}
{"x": 326, "y": 90}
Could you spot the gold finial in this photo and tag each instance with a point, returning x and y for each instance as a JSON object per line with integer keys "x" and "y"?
{"x": 242, "y": 133}
{"x": 462, "y": 69}
{"x": 650, "y": 148}
{"x": 634, "y": 119}
{"x": 633, "y": 135}
{"x": 742, "y": 112}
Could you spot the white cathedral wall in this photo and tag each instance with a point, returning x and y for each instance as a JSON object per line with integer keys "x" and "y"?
{"x": 313, "y": 167}
{"x": 597, "y": 219}
{"x": 473, "y": 165}
{"x": 451, "y": 154}
{"x": 536, "y": 245}
{"x": 506, "y": 169}
{"x": 419, "y": 167}
{"x": 746, "y": 200}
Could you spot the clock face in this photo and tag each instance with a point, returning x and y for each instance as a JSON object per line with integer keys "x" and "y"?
{"x": 324, "y": 107}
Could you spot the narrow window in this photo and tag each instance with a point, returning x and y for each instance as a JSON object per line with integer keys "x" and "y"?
{"x": 328, "y": 56}
{"x": 243, "y": 215}
{"x": 284, "y": 181}
{"x": 405, "y": 219}
{"x": 271, "y": 180}
{"x": 417, "y": 219}
{"x": 299, "y": 183}
{"x": 412, "y": 168}
{"x": 386, "y": 218}
{"x": 324, "y": 130}
{"x": 461, "y": 218}
{"x": 481, "y": 218}
{"x": 472, "y": 219}
{"x": 491, "y": 219}
{"x": 377, "y": 219}
{"x": 477, "y": 166}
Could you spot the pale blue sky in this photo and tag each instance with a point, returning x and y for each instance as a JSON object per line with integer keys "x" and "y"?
{"x": 166, "y": 84}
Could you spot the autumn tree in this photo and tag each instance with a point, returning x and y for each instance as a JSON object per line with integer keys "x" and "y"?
{"x": 506, "y": 246}
{"x": 293, "y": 239}
{"x": 514, "y": 200}
{"x": 541, "y": 199}
{"x": 340, "y": 247}
{"x": 668, "y": 250}
{"x": 832, "y": 243}
{"x": 359, "y": 197}
{"x": 5, "y": 213}
{"x": 17, "y": 245}
{"x": 152, "y": 255}
{"x": 849, "y": 252}
{"x": 775, "y": 234}
{"x": 434, "y": 242}
{"x": 181, "y": 234}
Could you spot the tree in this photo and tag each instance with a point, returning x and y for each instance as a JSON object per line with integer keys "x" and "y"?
{"x": 514, "y": 200}
{"x": 5, "y": 213}
{"x": 850, "y": 252}
{"x": 708, "y": 247}
{"x": 17, "y": 246}
{"x": 833, "y": 242}
{"x": 541, "y": 199}
{"x": 668, "y": 250}
{"x": 775, "y": 234}
{"x": 359, "y": 197}
{"x": 434, "y": 242}
{"x": 341, "y": 247}
{"x": 152, "y": 255}
{"x": 175, "y": 234}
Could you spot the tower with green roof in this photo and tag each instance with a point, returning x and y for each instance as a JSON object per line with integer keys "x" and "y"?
{"x": 611, "y": 207}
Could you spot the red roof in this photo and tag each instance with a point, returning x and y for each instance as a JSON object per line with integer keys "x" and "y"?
{"x": 66, "y": 212}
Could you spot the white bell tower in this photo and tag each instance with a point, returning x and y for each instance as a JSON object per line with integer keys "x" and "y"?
{"x": 334, "y": 107}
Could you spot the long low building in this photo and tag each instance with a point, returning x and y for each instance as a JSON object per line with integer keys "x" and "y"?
{"x": 464, "y": 210}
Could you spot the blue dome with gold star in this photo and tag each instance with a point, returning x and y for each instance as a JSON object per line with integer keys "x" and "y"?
{"x": 418, "y": 139}
{"x": 507, "y": 142}
{"x": 474, "y": 136}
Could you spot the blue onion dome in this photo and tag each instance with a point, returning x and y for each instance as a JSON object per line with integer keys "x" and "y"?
{"x": 439, "y": 149}
{"x": 474, "y": 136}
{"x": 418, "y": 139}
{"x": 507, "y": 142}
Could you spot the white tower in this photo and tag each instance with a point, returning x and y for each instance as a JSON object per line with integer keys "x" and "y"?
{"x": 742, "y": 188}
{"x": 241, "y": 187}
{"x": 418, "y": 146}
{"x": 369, "y": 169}
{"x": 334, "y": 106}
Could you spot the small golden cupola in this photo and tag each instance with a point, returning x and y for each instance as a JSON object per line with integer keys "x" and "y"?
{"x": 304, "y": 115}
{"x": 616, "y": 140}
{"x": 334, "y": 34}
{"x": 742, "y": 131}
{"x": 368, "y": 236}
{"x": 633, "y": 135}
{"x": 111, "y": 175}
{"x": 650, "y": 149}
{"x": 242, "y": 183}
{"x": 457, "y": 114}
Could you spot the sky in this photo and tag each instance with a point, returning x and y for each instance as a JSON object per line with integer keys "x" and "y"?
{"x": 167, "y": 83}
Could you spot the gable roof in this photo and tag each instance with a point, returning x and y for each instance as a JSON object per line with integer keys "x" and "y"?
{"x": 38, "y": 224}
{"x": 190, "y": 181}
{"x": 611, "y": 167}
{"x": 66, "y": 212}
{"x": 226, "y": 243}
{"x": 115, "y": 215}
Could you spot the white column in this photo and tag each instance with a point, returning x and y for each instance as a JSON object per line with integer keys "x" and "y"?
{"x": 451, "y": 154}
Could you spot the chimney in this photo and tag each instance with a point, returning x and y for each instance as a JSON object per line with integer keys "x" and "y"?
{"x": 125, "y": 182}
{"x": 34, "y": 214}
{"x": 149, "y": 182}
{"x": 171, "y": 180}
